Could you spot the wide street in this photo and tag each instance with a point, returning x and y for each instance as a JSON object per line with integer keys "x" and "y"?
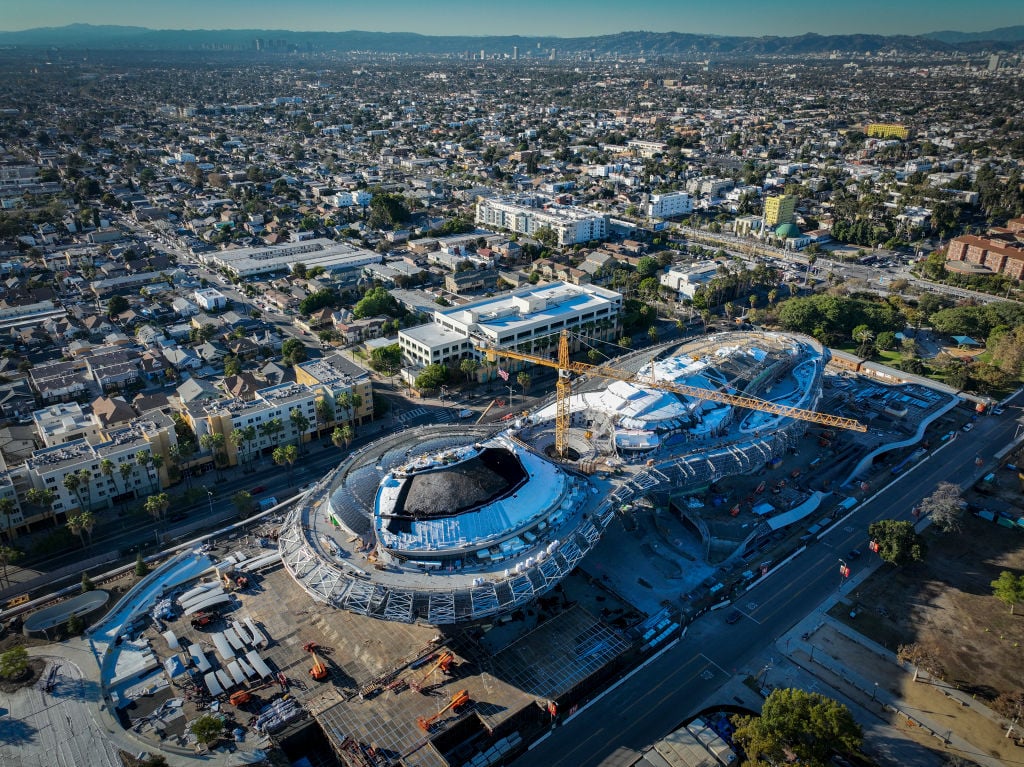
{"x": 664, "y": 693}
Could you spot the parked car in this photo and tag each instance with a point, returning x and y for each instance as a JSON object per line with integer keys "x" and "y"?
{"x": 733, "y": 617}
{"x": 258, "y": 489}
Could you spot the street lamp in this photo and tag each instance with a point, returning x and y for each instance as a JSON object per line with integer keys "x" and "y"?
{"x": 510, "y": 390}
{"x": 209, "y": 498}
{"x": 874, "y": 691}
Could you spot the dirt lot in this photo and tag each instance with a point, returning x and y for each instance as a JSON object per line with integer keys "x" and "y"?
{"x": 946, "y": 604}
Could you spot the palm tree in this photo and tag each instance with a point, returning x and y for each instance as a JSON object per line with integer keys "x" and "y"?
{"x": 7, "y": 509}
{"x": 214, "y": 442}
{"x": 8, "y": 556}
{"x": 143, "y": 458}
{"x": 82, "y": 525}
{"x": 156, "y": 505}
{"x": 237, "y": 438}
{"x": 107, "y": 470}
{"x": 251, "y": 435}
{"x": 347, "y": 433}
{"x": 524, "y": 380}
{"x": 324, "y": 414}
{"x": 286, "y": 454}
{"x": 300, "y": 423}
{"x": 44, "y": 498}
{"x": 126, "y": 469}
{"x": 156, "y": 461}
{"x": 85, "y": 477}
{"x": 338, "y": 437}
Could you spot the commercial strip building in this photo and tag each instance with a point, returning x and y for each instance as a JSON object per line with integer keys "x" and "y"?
{"x": 526, "y": 214}
{"x": 332, "y": 256}
{"x": 528, "y": 319}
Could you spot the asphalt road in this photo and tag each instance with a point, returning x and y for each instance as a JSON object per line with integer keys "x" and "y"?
{"x": 657, "y": 698}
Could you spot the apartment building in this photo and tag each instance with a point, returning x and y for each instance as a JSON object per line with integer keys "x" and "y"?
{"x": 210, "y": 299}
{"x": 334, "y": 377}
{"x": 272, "y": 404}
{"x": 779, "y": 209}
{"x": 530, "y": 318}
{"x": 49, "y": 467}
{"x": 526, "y": 214}
{"x": 669, "y": 205}
{"x": 1003, "y": 254}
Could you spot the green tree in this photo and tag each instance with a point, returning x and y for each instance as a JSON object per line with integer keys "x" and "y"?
{"x": 232, "y": 365}
{"x": 647, "y": 267}
{"x": 7, "y": 512}
{"x": 243, "y": 503}
{"x": 14, "y": 663}
{"x": 795, "y": 723}
{"x": 293, "y": 351}
{"x": 342, "y": 435}
{"x": 300, "y": 423}
{"x": 116, "y": 305}
{"x": 946, "y": 507}
{"x": 8, "y": 556}
{"x": 42, "y": 498}
{"x": 141, "y": 568}
{"x": 652, "y": 333}
{"x": 469, "y": 366}
{"x": 87, "y": 584}
{"x": 387, "y": 210}
{"x": 431, "y": 377}
{"x": 898, "y": 542}
{"x": 1008, "y": 588}
{"x": 524, "y": 380}
{"x": 286, "y": 455}
{"x": 626, "y": 342}
{"x": 82, "y": 525}
{"x": 156, "y": 505}
{"x": 207, "y": 729}
{"x": 376, "y": 302}
{"x": 324, "y": 409}
{"x": 386, "y": 359}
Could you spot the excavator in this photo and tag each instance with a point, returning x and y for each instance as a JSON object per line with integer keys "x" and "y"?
{"x": 319, "y": 669}
{"x": 458, "y": 700}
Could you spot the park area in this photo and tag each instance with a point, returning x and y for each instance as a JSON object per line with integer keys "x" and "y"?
{"x": 944, "y": 607}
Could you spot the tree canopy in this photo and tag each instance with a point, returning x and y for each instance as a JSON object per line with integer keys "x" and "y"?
{"x": 319, "y": 300}
{"x": 898, "y": 542}
{"x": 293, "y": 351}
{"x": 376, "y": 302}
{"x": 386, "y": 359}
{"x": 431, "y": 377}
{"x": 794, "y": 722}
{"x": 946, "y": 507}
{"x": 829, "y": 318}
{"x": 1008, "y": 588}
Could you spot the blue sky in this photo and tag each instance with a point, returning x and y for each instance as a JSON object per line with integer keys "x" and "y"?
{"x": 565, "y": 18}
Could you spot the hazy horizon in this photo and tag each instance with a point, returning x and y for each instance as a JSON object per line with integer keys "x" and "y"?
{"x": 530, "y": 18}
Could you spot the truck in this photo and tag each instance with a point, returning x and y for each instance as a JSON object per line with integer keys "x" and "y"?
{"x": 267, "y": 503}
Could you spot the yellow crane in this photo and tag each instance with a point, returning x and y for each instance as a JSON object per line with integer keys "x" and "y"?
{"x": 563, "y": 391}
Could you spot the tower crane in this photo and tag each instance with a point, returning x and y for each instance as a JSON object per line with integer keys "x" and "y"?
{"x": 567, "y": 368}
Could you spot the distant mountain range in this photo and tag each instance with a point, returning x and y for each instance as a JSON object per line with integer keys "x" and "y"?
{"x": 623, "y": 43}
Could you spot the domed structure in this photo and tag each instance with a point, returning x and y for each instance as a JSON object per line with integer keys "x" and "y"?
{"x": 785, "y": 231}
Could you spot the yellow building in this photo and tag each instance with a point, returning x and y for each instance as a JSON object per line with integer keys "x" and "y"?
{"x": 887, "y": 130}
{"x": 779, "y": 210}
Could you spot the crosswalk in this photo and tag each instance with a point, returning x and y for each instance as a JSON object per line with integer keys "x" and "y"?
{"x": 443, "y": 415}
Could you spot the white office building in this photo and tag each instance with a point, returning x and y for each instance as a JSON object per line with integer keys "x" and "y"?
{"x": 526, "y": 214}
{"x": 529, "y": 319}
{"x": 669, "y": 205}
{"x": 211, "y": 299}
{"x": 685, "y": 280}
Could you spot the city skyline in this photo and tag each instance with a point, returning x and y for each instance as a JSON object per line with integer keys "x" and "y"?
{"x": 575, "y": 18}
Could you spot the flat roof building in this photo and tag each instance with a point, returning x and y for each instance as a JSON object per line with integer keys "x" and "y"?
{"x": 331, "y": 255}
{"x": 527, "y": 214}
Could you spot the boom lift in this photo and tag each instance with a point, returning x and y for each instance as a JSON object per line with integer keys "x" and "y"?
{"x": 459, "y": 699}
{"x": 567, "y": 368}
{"x": 319, "y": 669}
{"x": 443, "y": 662}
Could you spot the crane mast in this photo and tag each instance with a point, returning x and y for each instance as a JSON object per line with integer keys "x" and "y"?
{"x": 563, "y": 392}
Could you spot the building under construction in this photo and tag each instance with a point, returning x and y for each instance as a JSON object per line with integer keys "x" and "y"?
{"x": 453, "y": 524}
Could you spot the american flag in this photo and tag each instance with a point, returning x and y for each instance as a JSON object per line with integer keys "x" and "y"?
{"x": 503, "y": 374}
